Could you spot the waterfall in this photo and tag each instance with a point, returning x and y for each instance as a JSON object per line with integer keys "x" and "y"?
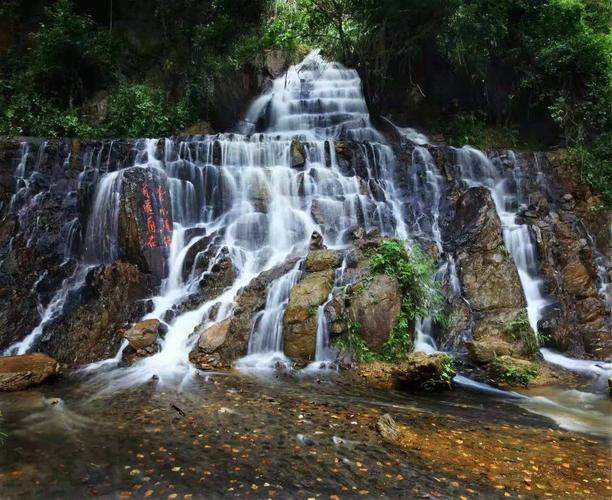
{"x": 478, "y": 170}
{"x": 258, "y": 198}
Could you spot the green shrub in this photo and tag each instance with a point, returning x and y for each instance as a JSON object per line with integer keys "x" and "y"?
{"x": 352, "y": 342}
{"x": 414, "y": 271}
{"x": 138, "y": 110}
{"x": 594, "y": 162}
{"x": 448, "y": 371}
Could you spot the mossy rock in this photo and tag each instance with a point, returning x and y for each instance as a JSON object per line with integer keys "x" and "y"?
{"x": 513, "y": 372}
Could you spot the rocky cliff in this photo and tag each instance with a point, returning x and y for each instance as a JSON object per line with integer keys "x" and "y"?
{"x": 51, "y": 225}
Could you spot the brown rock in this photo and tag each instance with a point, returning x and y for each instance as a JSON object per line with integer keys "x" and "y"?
{"x": 376, "y": 306}
{"x": 321, "y": 260}
{"x": 476, "y": 233}
{"x": 298, "y": 154}
{"x": 20, "y": 372}
{"x": 143, "y": 334}
{"x": 486, "y": 350}
{"x": 213, "y": 337}
{"x": 300, "y": 321}
{"x": 577, "y": 279}
{"x": 426, "y": 371}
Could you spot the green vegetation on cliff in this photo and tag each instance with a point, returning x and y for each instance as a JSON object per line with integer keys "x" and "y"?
{"x": 420, "y": 298}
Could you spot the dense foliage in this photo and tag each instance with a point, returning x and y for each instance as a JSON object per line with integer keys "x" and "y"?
{"x": 538, "y": 73}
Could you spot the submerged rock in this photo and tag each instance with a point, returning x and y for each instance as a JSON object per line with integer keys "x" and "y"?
{"x": 388, "y": 428}
{"x": 21, "y": 372}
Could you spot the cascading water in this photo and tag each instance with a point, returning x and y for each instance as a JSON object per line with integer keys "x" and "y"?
{"x": 478, "y": 170}
{"x": 260, "y": 205}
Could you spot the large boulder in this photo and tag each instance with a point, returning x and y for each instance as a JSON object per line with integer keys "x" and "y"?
{"x": 142, "y": 334}
{"x": 210, "y": 340}
{"x": 321, "y": 260}
{"x": 213, "y": 337}
{"x": 475, "y": 233}
{"x": 376, "y": 307}
{"x": 20, "y": 372}
{"x": 300, "y": 320}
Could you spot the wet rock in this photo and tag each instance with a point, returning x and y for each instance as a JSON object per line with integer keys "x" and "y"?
{"x": 486, "y": 350}
{"x": 300, "y": 321}
{"x": 21, "y": 372}
{"x": 213, "y": 337}
{"x": 509, "y": 371}
{"x": 250, "y": 300}
{"x": 475, "y": 232}
{"x": 112, "y": 297}
{"x": 321, "y": 260}
{"x": 577, "y": 278}
{"x": 429, "y": 372}
{"x": 579, "y": 323}
{"x": 376, "y": 307}
{"x": 419, "y": 371}
{"x": 297, "y": 154}
{"x": 316, "y": 241}
{"x": 207, "y": 362}
{"x": 145, "y": 219}
{"x": 143, "y": 334}
{"x": 199, "y": 253}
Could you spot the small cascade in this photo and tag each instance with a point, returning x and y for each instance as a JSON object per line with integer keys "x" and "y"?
{"x": 325, "y": 354}
{"x": 266, "y": 341}
{"x": 71, "y": 285}
{"x": 478, "y": 170}
{"x": 102, "y": 236}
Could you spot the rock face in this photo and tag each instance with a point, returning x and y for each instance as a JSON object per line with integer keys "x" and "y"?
{"x": 47, "y": 190}
{"x": 477, "y": 236}
{"x": 224, "y": 342}
{"x": 145, "y": 219}
{"x": 20, "y": 372}
{"x": 113, "y": 297}
{"x": 376, "y": 306}
{"x": 579, "y": 320}
{"x": 489, "y": 278}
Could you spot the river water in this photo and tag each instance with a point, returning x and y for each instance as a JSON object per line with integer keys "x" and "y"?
{"x": 234, "y": 435}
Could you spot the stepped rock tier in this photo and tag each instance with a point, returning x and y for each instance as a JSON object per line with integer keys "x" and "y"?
{"x": 242, "y": 246}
